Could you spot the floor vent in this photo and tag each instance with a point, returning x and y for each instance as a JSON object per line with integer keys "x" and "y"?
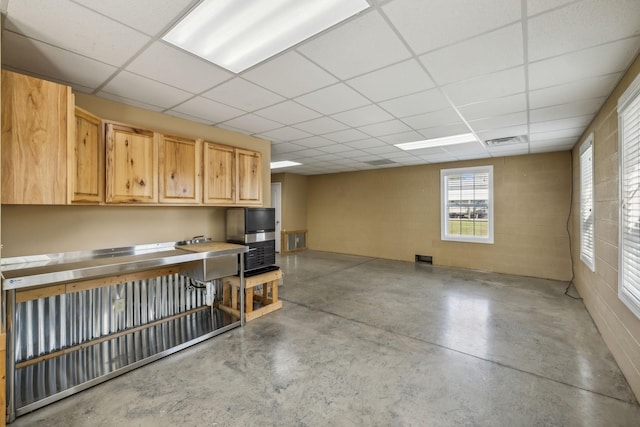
{"x": 425, "y": 259}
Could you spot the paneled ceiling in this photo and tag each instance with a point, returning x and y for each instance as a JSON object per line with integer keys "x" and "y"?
{"x": 401, "y": 71}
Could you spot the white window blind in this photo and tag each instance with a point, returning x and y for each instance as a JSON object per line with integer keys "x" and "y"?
{"x": 467, "y": 204}
{"x": 586, "y": 203}
{"x": 629, "y": 149}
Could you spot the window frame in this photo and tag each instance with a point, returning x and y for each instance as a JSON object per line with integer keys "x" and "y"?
{"x": 629, "y": 97}
{"x": 444, "y": 215}
{"x": 588, "y": 260}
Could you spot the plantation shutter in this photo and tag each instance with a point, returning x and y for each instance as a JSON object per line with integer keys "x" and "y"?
{"x": 629, "y": 133}
{"x": 586, "y": 204}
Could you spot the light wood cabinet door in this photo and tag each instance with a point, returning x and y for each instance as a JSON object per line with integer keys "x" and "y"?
{"x": 86, "y": 163}
{"x": 248, "y": 177}
{"x": 36, "y": 127}
{"x": 219, "y": 174}
{"x": 180, "y": 165}
{"x": 132, "y": 165}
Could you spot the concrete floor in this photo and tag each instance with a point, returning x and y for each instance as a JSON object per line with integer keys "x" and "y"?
{"x": 370, "y": 342}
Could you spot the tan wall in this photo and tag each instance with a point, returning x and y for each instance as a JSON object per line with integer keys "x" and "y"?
{"x": 619, "y": 327}
{"x": 46, "y": 229}
{"x": 395, "y": 213}
{"x": 294, "y": 200}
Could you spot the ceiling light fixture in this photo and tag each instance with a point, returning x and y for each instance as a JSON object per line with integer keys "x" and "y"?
{"x": 239, "y": 34}
{"x": 284, "y": 164}
{"x": 438, "y": 142}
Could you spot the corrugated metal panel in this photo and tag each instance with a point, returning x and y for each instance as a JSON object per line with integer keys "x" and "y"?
{"x": 51, "y": 324}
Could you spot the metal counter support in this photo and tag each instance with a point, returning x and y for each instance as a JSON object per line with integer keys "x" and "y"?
{"x": 10, "y": 297}
{"x": 242, "y": 321}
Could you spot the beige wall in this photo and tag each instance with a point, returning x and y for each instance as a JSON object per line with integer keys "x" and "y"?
{"x": 395, "y": 213}
{"x": 46, "y": 229}
{"x": 618, "y": 326}
{"x": 294, "y": 200}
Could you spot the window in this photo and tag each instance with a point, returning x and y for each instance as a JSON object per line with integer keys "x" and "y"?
{"x": 467, "y": 204}
{"x": 629, "y": 149}
{"x": 586, "y": 203}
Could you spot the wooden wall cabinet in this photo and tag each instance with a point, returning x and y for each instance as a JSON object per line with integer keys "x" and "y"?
{"x": 219, "y": 174}
{"x": 36, "y": 127}
{"x": 180, "y": 166}
{"x": 132, "y": 164}
{"x": 86, "y": 159}
{"x": 248, "y": 177}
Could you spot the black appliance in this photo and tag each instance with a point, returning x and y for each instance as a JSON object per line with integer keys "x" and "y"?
{"x": 255, "y": 228}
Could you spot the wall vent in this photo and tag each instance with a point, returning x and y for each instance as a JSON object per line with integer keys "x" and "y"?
{"x": 509, "y": 140}
{"x": 380, "y": 162}
{"x": 294, "y": 240}
{"x": 424, "y": 259}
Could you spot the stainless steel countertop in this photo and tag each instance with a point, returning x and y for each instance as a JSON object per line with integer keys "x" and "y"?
{"x": 38, "y": 270}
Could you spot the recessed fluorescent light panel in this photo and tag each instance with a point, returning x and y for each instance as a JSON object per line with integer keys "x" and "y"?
{"x": 284, "y": 164}
{"x": 238, "y": 34}
{"x": 438, "y": 142}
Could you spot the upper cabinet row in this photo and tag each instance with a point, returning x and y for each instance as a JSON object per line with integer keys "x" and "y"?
{"x": 53, "y": 153}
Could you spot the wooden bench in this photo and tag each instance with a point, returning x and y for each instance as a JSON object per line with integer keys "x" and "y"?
{"x": 266, "y": 301}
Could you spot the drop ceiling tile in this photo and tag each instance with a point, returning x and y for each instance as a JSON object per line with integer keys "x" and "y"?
{"x": 494, "y": 51}
{"x": 564, "y": 30}
{"x": 473, "y": 156}
{"x": 363, "y": 116}
{"x": 136, "y": 13}
{"x": 30, "y": 55}
{"x": 383, "y": 150}
{"x": 242, "y": 94}
{"x": 466, "y": 148}
{"x": 252, "y": 124}
{"x": 290, "y": 75}
{"x": 507, "y": 120}
{"x": 418, "y": 103}
{"x": 495, "y": 85}
{"x": 167, "y": 65}
{"x": 367, "y": 158}
{"x": 606, "y": 59}
{"x": 208, "y": 110}
{"x": 560, "y": 142}
{"x": 503, "y": 132}
{"x": 494, "y": 107}
{"x": 283, "y": 134}
{"x": 321, "y": 126}
{"x": 336, "y": 148}
{"x": 333, "y": 99}
{"x": 288, "y": 113}
{"x": 385, "y": 128}
{"x": 138, "y": 88}
{"x": 363, "y": 44}
{"x": 307, "y": 152}
{"x": 436, "y": 118}
{"x": 442, "y": 131}
{"x": 429, "y": 25}
{"x": 551, "y": 148}
{"x": 133, "y": 102}
{"x": 391, "y": 82}
{"x": 346, "y": 135}
{"x": 352, "y": 154}
{"x": 574, "y": 109}
{"x": 314, "y": 142}
{"x": 37, "y": 19}
{"x": 535, "y": 7}
{"x": 401, "y": 138}
{"x": 233, "y": 129}
{"x": 439, "y": 158}
{"x": 509, "y": 150}
{"x": 366, "y": 143}
{"x": 285, "y": 148}
{"x": 556, "y": 134}
{"x": 327, "y": 158}
{"x": 570, "y": 123}
{"x": 575, "y": 91}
